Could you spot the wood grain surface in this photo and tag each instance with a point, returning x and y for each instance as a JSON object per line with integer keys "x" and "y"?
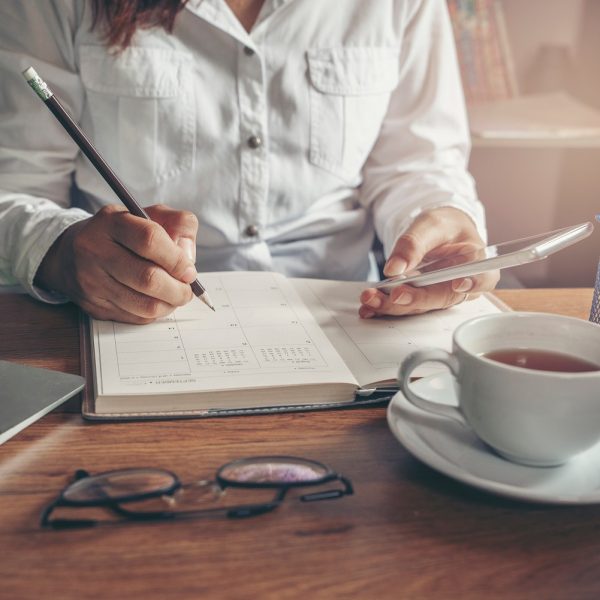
{"x": 408, "y": 532}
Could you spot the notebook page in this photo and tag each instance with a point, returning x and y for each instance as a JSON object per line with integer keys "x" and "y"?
{"x": 374, "y": 348}
{"x": 261, "y": 335}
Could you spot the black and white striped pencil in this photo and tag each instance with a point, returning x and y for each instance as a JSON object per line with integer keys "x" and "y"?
{"x": 72, "y": 128}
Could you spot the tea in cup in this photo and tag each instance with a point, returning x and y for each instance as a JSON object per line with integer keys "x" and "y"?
{"x": 528, "y": 384}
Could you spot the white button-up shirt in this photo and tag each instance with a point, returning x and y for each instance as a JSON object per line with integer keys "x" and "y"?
{"x": 291, "y": 143}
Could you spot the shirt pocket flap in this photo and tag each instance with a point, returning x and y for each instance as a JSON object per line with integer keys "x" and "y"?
{"x": 354, "y": 71}
{"x": 135, "y": 72}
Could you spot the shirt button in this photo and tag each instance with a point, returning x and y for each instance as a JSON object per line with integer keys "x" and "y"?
{"x": 254, "y": 142}
{"x": 248, "y": 51}
{"x": 251, "y": 231}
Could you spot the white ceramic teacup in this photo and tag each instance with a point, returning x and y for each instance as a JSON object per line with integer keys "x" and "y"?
{"x": 534, "y": 417}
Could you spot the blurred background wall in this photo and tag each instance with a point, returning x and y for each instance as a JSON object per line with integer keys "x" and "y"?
{"x": 527, "y": 189}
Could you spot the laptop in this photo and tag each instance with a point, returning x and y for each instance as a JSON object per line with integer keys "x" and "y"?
{"x": 28, "y": 393}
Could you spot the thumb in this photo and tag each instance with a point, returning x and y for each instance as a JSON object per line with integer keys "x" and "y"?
{"x": 181, "y": 225}
{"x": 188, "y": 246}
{"x": 423, "y": 236}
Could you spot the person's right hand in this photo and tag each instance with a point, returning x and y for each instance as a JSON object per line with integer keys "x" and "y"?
{"x": 120, "y": 267}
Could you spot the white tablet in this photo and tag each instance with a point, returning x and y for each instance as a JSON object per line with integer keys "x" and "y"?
{"x": 492, "y": 258}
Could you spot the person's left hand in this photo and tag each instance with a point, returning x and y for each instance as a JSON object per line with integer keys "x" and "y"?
{"x": 436, "y": 233}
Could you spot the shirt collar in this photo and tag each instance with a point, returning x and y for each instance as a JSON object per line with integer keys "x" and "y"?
{"x": 218, "y": 13}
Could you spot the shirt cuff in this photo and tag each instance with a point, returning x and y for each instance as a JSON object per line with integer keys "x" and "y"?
{"x": 47, "y": 229}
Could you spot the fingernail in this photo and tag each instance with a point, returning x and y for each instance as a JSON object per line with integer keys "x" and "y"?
{"x": 374, "y": 302}
{"x": 189, "y": 247}
{"x": 403, "y": 299}
{"x": 394, "y": 266}
{"x": 189, "y": 274}
{"x": 464, "y": 286}
{"x": 367, "y": 314}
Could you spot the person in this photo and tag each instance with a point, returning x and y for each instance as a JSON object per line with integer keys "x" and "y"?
{"x": 260, "y": 135}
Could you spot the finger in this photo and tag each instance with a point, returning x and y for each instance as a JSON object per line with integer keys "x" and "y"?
{"x": 177, "y": 223}
{"x": 107, "y": 260}
{"x": 366, "y": 313}
{"x": 484, "y": 282}
{"x": 147, "y": 278}
{"x": 406, "y": 300}
{"x": 141, "y": 306}
{"x": 430, "y": 230}
{"x": 109, "y": 298}
{"x": 427, "y": 232}
{"x": 181, "y": 225}
{"x": 104, "y": 310}
{"x": 411, "y": 300}
{"x": 372, "y": 298}
{"x": 151, "y": 241}
{"x": 372, "y": 301}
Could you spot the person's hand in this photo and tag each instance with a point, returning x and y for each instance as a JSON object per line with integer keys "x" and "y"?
{"x": 124, "y": 268}
{"x": 439, "y": 233}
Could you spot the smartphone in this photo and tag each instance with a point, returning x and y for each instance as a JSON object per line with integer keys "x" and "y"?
{"x": 479, "y": 260}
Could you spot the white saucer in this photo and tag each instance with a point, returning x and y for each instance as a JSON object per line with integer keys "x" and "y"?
{"x": 452, "y": 449}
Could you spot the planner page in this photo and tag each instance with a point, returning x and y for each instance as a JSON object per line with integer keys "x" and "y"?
{"x": 261, "y": 335}
{"x": 374, "y": 348}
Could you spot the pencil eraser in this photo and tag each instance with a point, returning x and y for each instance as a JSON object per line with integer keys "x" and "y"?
{"x": 29, "y": 73}
{"x": 39, "y": 86}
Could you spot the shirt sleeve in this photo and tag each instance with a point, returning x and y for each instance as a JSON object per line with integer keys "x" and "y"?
{"x": 37, "y": 157}
{"x": 420, "y": 159}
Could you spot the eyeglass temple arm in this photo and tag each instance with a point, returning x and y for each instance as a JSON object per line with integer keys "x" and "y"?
{"x": 330, "y": 494}
{"x": 63, "y": 523}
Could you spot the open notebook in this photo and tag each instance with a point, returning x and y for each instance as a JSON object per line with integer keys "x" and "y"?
{"x": 272, "y": 343}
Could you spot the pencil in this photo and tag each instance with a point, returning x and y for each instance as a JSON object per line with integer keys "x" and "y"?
{"x": 72, "y": 128}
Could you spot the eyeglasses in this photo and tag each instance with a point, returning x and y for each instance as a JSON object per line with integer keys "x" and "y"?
{"x": 152, "y": 494}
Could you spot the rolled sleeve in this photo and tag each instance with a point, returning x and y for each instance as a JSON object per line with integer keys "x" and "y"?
{"x": 420, "y": 159}
{"x": 37, "y": 158}
{"x": 28, "y": 228}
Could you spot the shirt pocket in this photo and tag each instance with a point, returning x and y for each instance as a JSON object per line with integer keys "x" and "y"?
{"x": 142, "y": 110}
{"x": 349, "y": 93}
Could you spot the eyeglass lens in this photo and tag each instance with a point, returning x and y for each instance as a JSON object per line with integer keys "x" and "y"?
{"x": 118, "y": 485}
{"x": 275, "y": 470}
{"x": 122, "y": 484}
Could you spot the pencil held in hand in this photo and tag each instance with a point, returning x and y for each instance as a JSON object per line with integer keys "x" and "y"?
{"x": 72, "y": 128}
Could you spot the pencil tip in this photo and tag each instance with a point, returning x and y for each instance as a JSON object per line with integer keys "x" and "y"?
{"x": 204, "y": 297}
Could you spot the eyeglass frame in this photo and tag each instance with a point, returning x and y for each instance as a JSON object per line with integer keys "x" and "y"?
{"x": 234, "y": 512}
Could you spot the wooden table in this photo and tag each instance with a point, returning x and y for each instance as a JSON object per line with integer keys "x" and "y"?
{"x": 408, "y": 532}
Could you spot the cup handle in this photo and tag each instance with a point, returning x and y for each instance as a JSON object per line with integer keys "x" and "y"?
{"x": 408, "y": 366}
